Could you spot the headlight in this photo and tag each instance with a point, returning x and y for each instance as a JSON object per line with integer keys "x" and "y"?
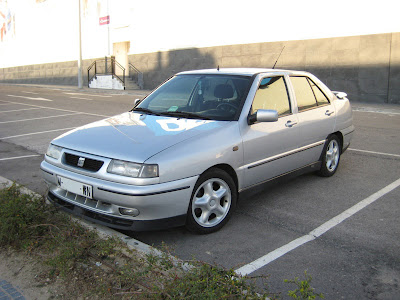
{"x": 131, "y": 169}
{"x": 54, "y": 151}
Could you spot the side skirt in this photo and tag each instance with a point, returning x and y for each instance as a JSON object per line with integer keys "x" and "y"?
{"x": 259, "y": 187}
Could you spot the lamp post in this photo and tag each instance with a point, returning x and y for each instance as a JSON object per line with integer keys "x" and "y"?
{"x": 80, "y": 83}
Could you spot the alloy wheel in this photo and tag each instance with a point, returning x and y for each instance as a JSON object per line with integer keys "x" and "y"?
{"x": 211, "y": 202}
{"x": 332, "y": 155}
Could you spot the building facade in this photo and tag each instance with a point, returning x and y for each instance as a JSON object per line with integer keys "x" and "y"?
{"x": 352, "y": 47}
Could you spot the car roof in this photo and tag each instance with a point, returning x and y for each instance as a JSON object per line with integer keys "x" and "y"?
{"x": 254, "y": 71}
{"x": 243, "y": 71}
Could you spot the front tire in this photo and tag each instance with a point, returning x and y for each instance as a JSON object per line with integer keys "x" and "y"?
{"x": 330, "y": 157}
{"x": 213, "y": 200}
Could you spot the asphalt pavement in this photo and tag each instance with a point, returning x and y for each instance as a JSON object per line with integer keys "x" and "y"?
{"x": 344, "y": 230}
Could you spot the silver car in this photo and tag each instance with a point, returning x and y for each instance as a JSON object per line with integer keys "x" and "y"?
{"x": 184, "y": 153}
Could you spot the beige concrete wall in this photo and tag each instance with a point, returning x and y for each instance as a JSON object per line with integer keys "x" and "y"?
{"x": 394, "y": 73}
{"x": 61, "y": 73}
{"x": 366, "y": 67}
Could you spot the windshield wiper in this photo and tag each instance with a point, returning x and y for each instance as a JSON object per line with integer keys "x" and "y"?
{"x": 184, "y": 114}
{"x": 145, "y": 110}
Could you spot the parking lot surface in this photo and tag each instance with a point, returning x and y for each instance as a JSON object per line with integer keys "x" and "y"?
{"x": 344, "y": 230}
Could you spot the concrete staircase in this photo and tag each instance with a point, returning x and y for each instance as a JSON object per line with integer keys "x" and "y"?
{"x": 130, "y": 84}
{"x": 108, "y": 82}
{"x": 107, "y": 73}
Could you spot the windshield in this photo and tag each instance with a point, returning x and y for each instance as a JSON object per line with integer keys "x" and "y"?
{"x": 214, "y": 97}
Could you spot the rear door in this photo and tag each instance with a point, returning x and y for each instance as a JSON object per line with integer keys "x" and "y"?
{"x": 316, "y": 117}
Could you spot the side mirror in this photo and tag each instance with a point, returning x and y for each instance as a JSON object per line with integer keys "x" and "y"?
{"x": 263, "y": 115}
{"x": 136, "y": 102}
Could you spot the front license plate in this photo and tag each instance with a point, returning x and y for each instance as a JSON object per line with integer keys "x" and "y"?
{"x": 75, "y": 187}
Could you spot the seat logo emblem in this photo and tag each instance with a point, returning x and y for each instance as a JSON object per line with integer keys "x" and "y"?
{"x": 81, "y": 162}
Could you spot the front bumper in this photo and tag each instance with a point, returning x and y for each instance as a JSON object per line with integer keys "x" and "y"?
{"x": 160, "y": 205}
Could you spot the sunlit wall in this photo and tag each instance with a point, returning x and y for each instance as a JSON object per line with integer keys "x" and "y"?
{"x": 42, "y": 31}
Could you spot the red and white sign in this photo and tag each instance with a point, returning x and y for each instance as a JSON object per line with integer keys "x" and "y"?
{"x": 104, "y": 20}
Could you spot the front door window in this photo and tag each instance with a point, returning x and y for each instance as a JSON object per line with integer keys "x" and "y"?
{"x": 272, "y": 94}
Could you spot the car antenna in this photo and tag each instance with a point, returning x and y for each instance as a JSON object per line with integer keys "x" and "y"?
{"x": 278, "y": 58}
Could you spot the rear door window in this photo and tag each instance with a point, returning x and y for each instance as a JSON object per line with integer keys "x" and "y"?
{"x": 308, "y": 94}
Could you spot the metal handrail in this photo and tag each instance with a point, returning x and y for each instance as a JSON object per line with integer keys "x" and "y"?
{"x": 102, "y": 67}
{"x": 136, "y": 76}
{"x": 114, "y": 62}
{"x": 90, "y": 67}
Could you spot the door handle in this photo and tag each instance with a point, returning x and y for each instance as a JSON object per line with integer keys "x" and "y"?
{"x": 328, "y": 112}
{"x": 290, "y": 124}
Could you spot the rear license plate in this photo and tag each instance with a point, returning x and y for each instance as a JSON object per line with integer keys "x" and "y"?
{"x": 75, "y": 187}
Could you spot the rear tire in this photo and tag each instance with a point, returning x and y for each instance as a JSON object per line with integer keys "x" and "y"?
{"x": 330, "y": 157}
{"x": 213, "y": 200}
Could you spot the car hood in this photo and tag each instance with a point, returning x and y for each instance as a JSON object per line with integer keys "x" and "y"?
{"x": 134, "y": 136}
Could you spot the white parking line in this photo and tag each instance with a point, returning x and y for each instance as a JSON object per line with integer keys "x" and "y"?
{"x": 30, "y": 98}
{"x": 373, "y": 152}
{"x": 377, "y": 111}
{"x": 80, "y": 98}
{"x": 92, "y": 95}
{"x": 33, "y": 133}
{"x": 15, "y": 121}
{"x": 60, "y": 109}
{"x": 7, "y": 111}
{"x": 266, "y": 259}
{"x": 29, "y": 92}
{"x": 18, "y": 157}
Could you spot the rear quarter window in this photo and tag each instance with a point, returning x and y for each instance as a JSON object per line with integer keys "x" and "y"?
{"x": 319, "y": 95}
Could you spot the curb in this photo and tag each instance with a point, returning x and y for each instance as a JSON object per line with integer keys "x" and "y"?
{"x": 101, "y": 230}
{"x": 105, "y": 232}
{"x": 83, "y": 89}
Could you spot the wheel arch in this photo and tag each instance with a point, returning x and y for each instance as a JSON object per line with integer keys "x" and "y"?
{"x": 228, "y": 169}
{"x": 340, "y": 136}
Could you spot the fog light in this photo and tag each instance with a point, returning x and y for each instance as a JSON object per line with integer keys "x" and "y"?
{"x": 133, "y": 212}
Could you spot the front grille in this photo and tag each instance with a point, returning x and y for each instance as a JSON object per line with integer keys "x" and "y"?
{"x": 89, "y": 164}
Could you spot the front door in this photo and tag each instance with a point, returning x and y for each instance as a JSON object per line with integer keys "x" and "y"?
{"x": 270, "y": 148}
